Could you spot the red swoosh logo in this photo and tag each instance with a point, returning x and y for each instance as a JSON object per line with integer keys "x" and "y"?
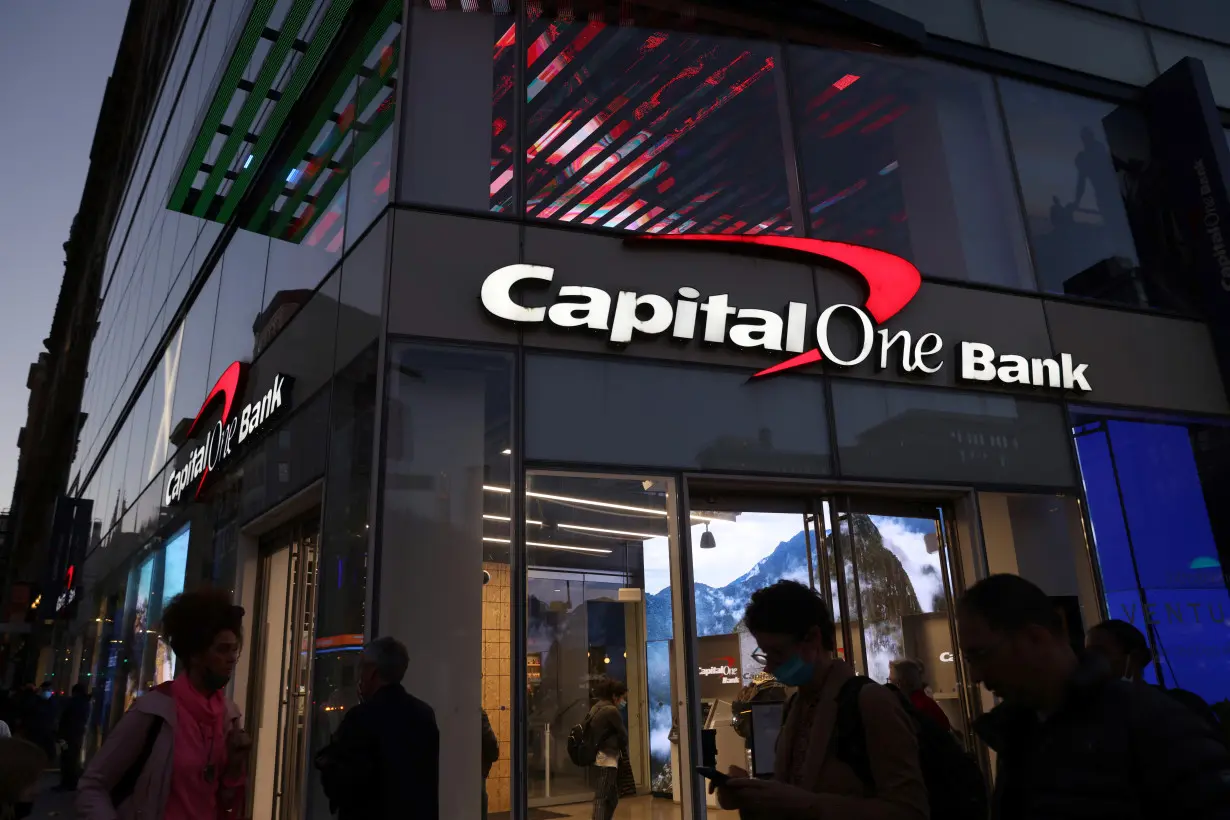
{"x": 891, "y": 280}
{"x": 225, "y": 389}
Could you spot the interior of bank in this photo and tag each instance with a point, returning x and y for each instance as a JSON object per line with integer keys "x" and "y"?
{"x": 606, "y": 560}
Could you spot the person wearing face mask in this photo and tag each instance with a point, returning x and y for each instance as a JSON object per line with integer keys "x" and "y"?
{"x": 1127, "y": 655}
{"x": 180, "y": 752}
{"x": 384, "y": 759}
{"x": 811, "y": 779}
{"x": 610, "y": 738}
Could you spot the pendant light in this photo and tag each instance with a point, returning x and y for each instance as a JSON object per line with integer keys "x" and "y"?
{"x": 707, "y": 541}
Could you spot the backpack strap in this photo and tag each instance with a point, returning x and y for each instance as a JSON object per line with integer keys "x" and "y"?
{"x": 128, "y": 783}
{"x": 851, "y": 738}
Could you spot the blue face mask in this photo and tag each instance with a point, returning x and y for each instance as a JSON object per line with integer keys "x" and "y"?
{"x": 795, "y": 672}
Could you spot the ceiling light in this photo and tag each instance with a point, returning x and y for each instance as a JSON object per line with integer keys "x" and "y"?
{"x": 506, "y": 452}
{"x": 563, "y": 547}
{"x": 707, "y": 541}
{"x": 605, "y": 531}
{"x": 606, "y": 505}
{"x": 505, "y": 518}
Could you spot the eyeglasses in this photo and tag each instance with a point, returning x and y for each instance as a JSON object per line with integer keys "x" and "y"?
{"x": 760, "y": 657}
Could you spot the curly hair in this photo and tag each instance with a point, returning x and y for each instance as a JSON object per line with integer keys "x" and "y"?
{"x": 192, "y": 620}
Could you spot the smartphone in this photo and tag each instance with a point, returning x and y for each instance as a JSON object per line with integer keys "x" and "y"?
{"x": 713, "y": 775}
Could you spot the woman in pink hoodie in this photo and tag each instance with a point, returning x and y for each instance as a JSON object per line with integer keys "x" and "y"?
{"x": 180, "y": 752}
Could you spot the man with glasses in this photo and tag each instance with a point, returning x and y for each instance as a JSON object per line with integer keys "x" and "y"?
{"x": 815, "y": 775}
{"x": 1071, "y": 742}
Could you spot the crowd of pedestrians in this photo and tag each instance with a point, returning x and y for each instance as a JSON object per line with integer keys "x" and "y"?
{"x": 1077, "y": 733}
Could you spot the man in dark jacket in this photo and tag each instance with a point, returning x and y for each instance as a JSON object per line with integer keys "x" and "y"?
{"x": 73, "y": 721}
{"x": 384, "y": 760}
{"x": 1072, "y": 743}
{"x": 491, "y": 753}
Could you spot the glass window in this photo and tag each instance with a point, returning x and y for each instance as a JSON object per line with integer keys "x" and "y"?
{"x": 341, "y": 604}
{"x": 603, "y": 412}
{"x": 1199, "y": 17}
{"x": 958, "y": 19}
{"x": 242, "y": 280}
{"x": 1082, "y": 239}
{"x": 190, "y": 348}
{"x": 1156, "y": 492}
{"x": 1171, "y": 48}
{"x": 1071, "y": 37}
{"x": 301, "y": 343}
{"x": 373, "y": 143}
{"x": 908, "y": 156}
{"x": 654, "y": 129}
{"x": 947, "y": 435}
{"x": 458, "y": 123}
{"x": 448, "y": 421}
{"x": 599, "y": 606}
{"x": 362, "y": 294}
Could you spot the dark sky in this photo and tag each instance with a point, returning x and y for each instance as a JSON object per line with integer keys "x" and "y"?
{"x": 55, "y": 57}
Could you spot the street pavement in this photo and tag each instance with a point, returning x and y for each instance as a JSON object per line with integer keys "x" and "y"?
{"x": 51, "y": 804}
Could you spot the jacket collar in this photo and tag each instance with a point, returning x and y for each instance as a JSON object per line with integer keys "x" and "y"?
{"x": 820, "y": 730}
{"x": 1005, "y": 724}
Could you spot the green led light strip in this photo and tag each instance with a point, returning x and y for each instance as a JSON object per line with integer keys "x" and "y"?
{"x": 367, "y": 92}
{"x": 252, "y": 104}
{"x": 379, "y": 26}
{"x": 221, "y": 101}
{"x": 325, "y": 33}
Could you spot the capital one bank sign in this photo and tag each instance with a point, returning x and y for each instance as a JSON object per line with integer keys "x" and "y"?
{"x": 234, "y": 428}
{"x": 687, "y": 314}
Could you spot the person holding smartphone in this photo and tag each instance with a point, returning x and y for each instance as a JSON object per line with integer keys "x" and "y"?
{"x": 812, "y": 777}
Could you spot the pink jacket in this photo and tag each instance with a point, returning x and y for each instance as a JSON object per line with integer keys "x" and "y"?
{"x": 121, "y": 750}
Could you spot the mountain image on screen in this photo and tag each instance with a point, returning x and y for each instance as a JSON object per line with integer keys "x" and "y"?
{"x": 887, "y": 588}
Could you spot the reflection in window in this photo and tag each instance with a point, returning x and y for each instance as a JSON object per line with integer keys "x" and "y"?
{"x": 1156, "y": 492}
{"x": 945, "y": 435}
{"x": 594, "y": 411}
{"x": 599, "y": 605}
{"x": 653, "y": 129}
{"x": 1199, "y": 17}
{"x": 907, "y": 156}
{"x": 1070, "y": 182}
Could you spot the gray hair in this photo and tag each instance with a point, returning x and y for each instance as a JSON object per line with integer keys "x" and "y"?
{"x": 910, "y": 673}
{"x": 390, "y": 658}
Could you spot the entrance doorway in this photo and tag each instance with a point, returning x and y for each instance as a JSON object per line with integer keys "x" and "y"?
{"x": 884, "y": 566}
{"x": 281, "y": 669}
{"x": 619, "y": 587}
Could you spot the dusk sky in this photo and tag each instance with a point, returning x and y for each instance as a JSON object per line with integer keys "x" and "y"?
{"x": 55, "y": 57}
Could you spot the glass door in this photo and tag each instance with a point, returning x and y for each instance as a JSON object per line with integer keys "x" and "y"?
{"x": 282, "y": 671}
{"x": 881, "y": 565}
{"x": 899, "y": 587}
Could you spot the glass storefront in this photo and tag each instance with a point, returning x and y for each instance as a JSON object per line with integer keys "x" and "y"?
{"x": 531, "y": 510}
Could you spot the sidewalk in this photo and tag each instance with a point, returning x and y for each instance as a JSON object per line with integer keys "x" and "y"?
{"x": 51, "y": 803}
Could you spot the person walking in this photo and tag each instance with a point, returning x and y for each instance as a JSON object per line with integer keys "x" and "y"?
{"x": 491, "y": 753}
{"x": 610, "y": 740}
{"x": 907, "y": 676}
{"x": 1071, "y": 742}
{"x": 180, "y": 752}
{"x": 814, "y": 776}
{"x": 383, "y": 762}
{"x": 1127, "y": 655}
{"x": 73, "y": 721}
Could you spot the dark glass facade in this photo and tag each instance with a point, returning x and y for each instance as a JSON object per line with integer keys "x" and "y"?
{"x": 325, "y": 190}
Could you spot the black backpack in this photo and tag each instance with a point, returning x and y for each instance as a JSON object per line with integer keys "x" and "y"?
{"x": 955, "y": 786}
{"x": 582, "y": 749}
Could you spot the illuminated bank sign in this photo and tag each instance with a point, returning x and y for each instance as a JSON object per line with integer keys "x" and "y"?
{"x": 723, "y": 668}
{"x": 688, "y": 314}
{"x": 232, "y": 428}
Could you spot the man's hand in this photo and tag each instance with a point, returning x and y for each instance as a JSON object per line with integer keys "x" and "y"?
{"x": 770, "y": 797}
